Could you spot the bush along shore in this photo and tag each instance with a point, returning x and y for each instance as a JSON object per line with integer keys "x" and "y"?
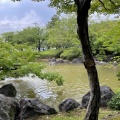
{"x": 32, "y": 108}
{"x": 72, "y": 55}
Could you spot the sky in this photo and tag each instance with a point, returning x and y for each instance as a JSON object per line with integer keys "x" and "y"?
{"x": 15, "y": 16}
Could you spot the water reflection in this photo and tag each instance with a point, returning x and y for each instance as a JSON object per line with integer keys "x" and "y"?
{"x": 75, "y": 85}
{"x": 30, "y": 87}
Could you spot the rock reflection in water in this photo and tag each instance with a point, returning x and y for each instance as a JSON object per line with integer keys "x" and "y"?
{"x": 30, "y": 87}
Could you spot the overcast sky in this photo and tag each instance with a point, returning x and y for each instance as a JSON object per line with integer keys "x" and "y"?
{"x": 15, "y": 16}
{"x": 18, "y": 15}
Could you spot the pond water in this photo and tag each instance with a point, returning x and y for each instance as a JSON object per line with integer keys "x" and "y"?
{"x": 75, "y": 84}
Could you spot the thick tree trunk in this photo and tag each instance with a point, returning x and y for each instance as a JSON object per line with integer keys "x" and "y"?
{"x": 82, "y": 21}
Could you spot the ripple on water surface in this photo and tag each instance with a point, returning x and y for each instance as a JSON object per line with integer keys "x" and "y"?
{"x": 75, "y": 85}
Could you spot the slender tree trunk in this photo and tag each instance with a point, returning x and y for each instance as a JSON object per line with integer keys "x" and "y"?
{"x": 82, "y": 21}
{"x": 39, "y": 45}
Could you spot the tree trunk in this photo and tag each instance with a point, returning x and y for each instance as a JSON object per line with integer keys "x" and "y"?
{"x": 82, "y": 21}
{"x": 39, "y": 45}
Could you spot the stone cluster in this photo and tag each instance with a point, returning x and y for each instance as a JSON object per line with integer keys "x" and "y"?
{"x": 13, "y": 109}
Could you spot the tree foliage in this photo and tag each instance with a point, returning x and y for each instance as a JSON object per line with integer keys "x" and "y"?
{"x": 71, "y": 53}
{"x": 104, "y": 37}
{"x": 52, "y": 22}
{"x": 8, "y": 36}
{"x": 106, "y": 6}
{"x": 63, "y": 33}
{"x": 111, "y": 38}
{"x": 68, "y": 6}
{"x": 31, "y": 36}
{"x": 115, "y": 102}
{"x": 18, "y": 61}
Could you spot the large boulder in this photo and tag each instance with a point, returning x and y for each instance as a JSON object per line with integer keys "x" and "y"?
{"x": 52, "y": 60}
{"x": 66, "y": 61}
{"x": 106, "y": 95}
{"x": 9, "y": 108}
{"x": 30, "y": 107}
{"x": 8, "y": 90}
{"x": 59, "y": 60}
{"x": 68, "y": 104}
{"x": 77, "y": 60}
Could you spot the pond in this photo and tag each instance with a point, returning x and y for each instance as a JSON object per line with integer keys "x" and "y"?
{"x": 75, "y": 84}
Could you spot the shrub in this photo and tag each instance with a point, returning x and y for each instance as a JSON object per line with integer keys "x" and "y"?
{"x": 118, "y": 75}
{"x": 49, "y": 54}
{"x": 71, "y": 53}
{"x": 115, "y": 102}
{"x": 101, "y": 56}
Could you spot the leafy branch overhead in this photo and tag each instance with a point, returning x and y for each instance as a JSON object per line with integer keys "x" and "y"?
{"x": 68, "y": 6}
{"x": 18, "y": 61}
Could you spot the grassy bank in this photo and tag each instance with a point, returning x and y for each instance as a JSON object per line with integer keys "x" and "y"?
{"x": 78, "y": 114}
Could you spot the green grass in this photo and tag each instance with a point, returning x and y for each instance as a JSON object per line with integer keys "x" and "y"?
{"x": 79, "y": 114}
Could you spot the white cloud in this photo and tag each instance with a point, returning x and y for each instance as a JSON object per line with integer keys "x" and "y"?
{"x": 13, "y": 24}
{"x": 2, "y": 1}
{"x": 4, "y": 4}
{"x": 6, "y": 1}
{"x": 96, "y": 17}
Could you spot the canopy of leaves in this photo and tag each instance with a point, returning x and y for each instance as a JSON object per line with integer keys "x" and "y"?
{"x": 29, "y": 36}
{"x": 63, "y": 34}
{"x": 18, "y": 61}
{"x": 67, "y": 6}
{"x": 106, "y": 6}
{"x": 51, "y": 23}
{"x": 71, "y": 53}
{"x": 8, "y": 36}
{"x": 105, "y": 36}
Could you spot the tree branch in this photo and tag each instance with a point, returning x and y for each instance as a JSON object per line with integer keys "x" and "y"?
{"x": 112, "y": 2}
{"x": 68, "y": 2}
{"x": 103, "y": 4}
{"x": 8, "y": 69}
{"x": 116, "y": 6}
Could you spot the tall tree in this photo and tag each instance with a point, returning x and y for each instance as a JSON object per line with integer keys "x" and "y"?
{"x": 82, "y": 20}
{"x": 83, "y": 6}
{"x": 63, "y": 33}
{"x": 53, "y": 20}
{"x": 107, "y": 43}
{"x": 32, "y": 36}
{"x": 8, "y": 36}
